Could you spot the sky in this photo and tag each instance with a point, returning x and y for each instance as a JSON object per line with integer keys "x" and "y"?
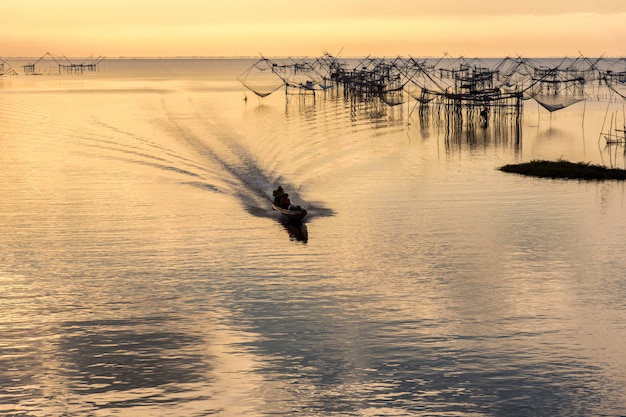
{"x": 280, "y": 28}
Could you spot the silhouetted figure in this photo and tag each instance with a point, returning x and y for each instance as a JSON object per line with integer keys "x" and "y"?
{"x": 278, "y": 195}
{"x": 285, "y": 202}
{"x": 484, "y": 118}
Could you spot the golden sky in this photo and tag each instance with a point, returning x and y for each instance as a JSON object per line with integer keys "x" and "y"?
{"x": 470, "y": 28}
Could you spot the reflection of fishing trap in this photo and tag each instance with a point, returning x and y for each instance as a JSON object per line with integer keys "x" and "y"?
{"x": 498, "y": 114}
{"x": 461, "y": 94}
{"x": 477, "y": 101}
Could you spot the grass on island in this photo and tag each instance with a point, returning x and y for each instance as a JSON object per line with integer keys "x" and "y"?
{"x": 565, "y": 169}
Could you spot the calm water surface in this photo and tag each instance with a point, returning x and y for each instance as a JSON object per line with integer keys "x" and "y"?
{"x": 143, "y": 272}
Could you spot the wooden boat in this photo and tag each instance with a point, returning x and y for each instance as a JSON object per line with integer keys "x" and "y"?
{"x": 296, "y": 213}
{"x": 615, "y": 134}
{"x": 618, "y": 137}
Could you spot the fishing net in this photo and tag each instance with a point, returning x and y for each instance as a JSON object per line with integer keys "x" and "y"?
{"x": 420, "y": 94}
{"x": 261, "y": 78}
{"x": 419, "y": 80}
{"x": 554, "y": 102}
{"x": 555, "y": 92}
{"x": 393, "y": 97}
{"x": 618, "y": 87}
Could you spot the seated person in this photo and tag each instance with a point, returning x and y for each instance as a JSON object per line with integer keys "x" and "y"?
{"x": 278, "y": 195}
{"x": 285, "y": 202}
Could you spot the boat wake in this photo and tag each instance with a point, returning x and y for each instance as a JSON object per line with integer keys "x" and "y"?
{"x": 227, "y": 159}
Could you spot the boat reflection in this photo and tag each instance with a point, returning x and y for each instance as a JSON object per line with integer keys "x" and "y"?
{"x": 297, "y": 230}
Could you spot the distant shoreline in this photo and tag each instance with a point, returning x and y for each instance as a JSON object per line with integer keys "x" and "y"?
{"x": 451, "y": 57}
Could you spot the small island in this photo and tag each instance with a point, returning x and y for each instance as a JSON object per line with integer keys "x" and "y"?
{"x": 565, "y": 169}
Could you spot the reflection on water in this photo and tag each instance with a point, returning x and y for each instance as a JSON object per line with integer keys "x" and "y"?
{"x": 105, "y": 353}
{"x": 145, "y": 273}
{"x": 297, "y": 230}
{"x": 613, "y": 155}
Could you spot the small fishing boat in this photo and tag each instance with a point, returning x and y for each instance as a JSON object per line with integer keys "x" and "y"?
{"x": 615, "y": 133}
{"x": 618, "y": 137}
{"x": 294, "y": 213}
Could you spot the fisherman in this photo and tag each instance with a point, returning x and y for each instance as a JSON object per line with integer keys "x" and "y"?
{"x": 278, "y": 195}
{"x": 285, "y": 203}
{"x": 484, "y": 118}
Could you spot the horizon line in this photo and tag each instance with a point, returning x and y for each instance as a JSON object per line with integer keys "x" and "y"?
{"x": 444, "y": 55}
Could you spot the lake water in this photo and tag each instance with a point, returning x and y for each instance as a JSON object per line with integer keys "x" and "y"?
{"x": 143, "y": 272}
